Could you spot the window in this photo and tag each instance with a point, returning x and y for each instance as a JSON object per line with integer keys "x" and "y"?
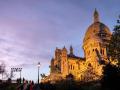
{"x": 89, "y": 64}
{"x": 88, "y": 52}
{"x": 73, "y": 67}
{"x": 101, "y": 51}
{"x": 69, "y": 66}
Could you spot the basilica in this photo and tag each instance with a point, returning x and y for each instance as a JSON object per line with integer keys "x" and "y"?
{"x": 86, "y": 68}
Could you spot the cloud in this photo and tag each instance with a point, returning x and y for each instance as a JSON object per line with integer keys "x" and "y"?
{"x": 31, "y": 30}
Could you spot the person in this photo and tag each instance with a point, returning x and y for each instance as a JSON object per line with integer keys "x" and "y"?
{"x": 25, "y": 86}
{"x": 31, "y": 85}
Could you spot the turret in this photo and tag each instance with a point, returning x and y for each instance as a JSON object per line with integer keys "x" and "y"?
{"x": 57, "y": 61}
{"x": 57, "y": 53}
{"x": 52, "y": 65}
{"x": 96, "y": 16}
{"x": 64, "y": 62}
{"x": 71, "y": 50}
{"x": 64, "y": 52}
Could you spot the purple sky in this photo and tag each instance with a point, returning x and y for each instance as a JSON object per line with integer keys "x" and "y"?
{"x": 30, "y": 30}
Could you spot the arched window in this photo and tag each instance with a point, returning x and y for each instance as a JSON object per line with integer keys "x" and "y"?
{"x": 70, "y": 66}
{"x": 101, "y": 51}
{"x": 89, "y": 64}
{"x": 73, "y": 67}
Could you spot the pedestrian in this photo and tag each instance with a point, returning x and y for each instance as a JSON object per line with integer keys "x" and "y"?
{"x": 31, "y": 85}
{"x": 25, "y": 86}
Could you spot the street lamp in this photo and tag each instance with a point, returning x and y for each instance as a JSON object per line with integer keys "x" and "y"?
{"x": 38, "y": 70}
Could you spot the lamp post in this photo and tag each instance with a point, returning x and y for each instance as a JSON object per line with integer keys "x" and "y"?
{"x": 38, "y": 71}
{"x": 20, "y": 69}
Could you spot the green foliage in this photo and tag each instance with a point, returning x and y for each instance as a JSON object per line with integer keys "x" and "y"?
{"x": 43, "y": 75}
{"x": 114, "y": 45}
{"x": 7, "y": 86}
{"x": 11, "y": 87}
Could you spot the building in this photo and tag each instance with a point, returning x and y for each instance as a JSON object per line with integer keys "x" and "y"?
{"x": 85, "y": 68}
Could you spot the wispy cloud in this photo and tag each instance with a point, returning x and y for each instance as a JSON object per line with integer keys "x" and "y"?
{"x": 30, "y": 30}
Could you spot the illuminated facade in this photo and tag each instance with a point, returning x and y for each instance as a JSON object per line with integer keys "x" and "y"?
{"x": 95, "y": 50}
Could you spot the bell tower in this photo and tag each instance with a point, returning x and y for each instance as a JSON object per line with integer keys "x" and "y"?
{"x": 64, "y": 62}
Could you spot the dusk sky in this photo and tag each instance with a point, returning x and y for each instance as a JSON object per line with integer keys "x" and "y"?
{"x": 30, "y": 30}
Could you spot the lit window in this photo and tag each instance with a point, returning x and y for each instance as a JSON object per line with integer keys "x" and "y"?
{"x": 73, "y": 67}
{"x": 101, "y": 51}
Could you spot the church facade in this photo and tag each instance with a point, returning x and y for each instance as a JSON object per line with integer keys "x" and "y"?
{"x": 85, "y": 68}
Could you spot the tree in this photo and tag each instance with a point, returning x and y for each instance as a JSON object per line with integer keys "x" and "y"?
{"x": 2, "y": 69}
{"x": 111, "y": 72}
{"x": 111, "y": 77}
{"x": 89, "y": 74}
{"x": 114, "y": 44}
{"x": 43, "y": 76}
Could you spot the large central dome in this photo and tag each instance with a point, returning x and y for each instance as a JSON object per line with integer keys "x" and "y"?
{"x": 97, "y": 30}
